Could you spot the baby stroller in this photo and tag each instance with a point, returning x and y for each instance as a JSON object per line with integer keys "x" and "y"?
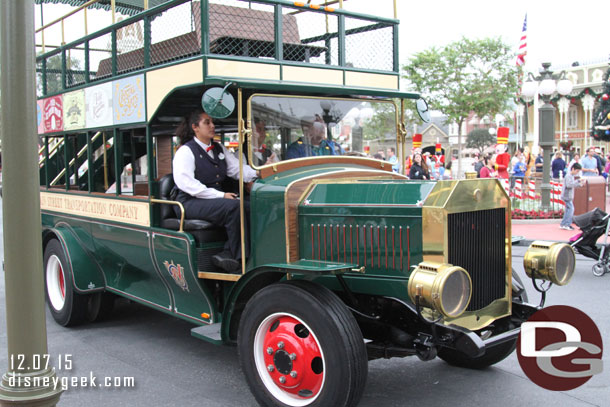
{"x": 592, "y": 225}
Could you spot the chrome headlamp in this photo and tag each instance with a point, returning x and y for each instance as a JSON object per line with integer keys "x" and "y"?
{"x": 442, "y": 287}
{"x": 552, "y": 261}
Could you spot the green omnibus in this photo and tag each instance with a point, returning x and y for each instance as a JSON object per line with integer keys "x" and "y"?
{"x": 349, "y": 260}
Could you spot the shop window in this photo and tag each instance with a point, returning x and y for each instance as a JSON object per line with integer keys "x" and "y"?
{"x": 572, "y": 117}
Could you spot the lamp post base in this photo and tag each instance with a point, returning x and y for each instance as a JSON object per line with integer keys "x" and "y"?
{"x": 545, "y": 195}
{"x": 34, "y": 389}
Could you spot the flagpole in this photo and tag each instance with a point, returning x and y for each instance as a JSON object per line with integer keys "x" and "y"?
{"x": 522, "y": 52}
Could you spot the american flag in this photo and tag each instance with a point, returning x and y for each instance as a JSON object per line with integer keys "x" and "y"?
{"x": 522, "y": 44}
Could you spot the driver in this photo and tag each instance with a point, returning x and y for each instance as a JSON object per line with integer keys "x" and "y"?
{"x": 200, "y": 166}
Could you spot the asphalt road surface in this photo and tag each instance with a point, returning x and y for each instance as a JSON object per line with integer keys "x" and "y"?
{"x": 169, "y": 367}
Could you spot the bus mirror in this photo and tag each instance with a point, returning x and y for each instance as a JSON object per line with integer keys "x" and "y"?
{"x": 217, "y": 102}
{"x": 422, "y": 110}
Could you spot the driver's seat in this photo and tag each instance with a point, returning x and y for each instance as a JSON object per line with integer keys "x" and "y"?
{"x": 202, "y": 230}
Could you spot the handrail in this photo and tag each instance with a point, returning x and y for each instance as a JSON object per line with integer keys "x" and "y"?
{"x": 172, "y": 3}
{"x": 69, "y": 14}
{"x": 148, "y": 15}
{"x": 119, "y": 24}
{"x": 80, "y": 153}
{"x": 53, "y": 150}
{"x": 179, "y": 204}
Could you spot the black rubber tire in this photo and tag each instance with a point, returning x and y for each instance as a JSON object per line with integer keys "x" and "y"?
{"x": 100, "y": 306}
{"x": 74, "y": 308}
{"x": 338, "y": 334}
{"x": 491, "y": 356}
{"x": 522, "y": 296}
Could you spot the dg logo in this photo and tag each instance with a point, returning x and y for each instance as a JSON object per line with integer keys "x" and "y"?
{"x": 560, "y": 348}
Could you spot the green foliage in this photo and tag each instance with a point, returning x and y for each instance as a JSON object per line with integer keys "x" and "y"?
{"x": 381, "y": 123}
{"x": 480, "y": 138}
{"x": 465, "y": 76}
{"x": 54, "y": 73}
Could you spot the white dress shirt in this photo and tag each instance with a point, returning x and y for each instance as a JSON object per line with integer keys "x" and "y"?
{"x": 184, "y": 171}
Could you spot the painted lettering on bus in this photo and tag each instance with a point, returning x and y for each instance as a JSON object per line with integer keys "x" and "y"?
{"x": 123, "y": 211}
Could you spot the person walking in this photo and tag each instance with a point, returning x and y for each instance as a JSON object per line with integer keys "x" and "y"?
{"x": 558, "y": 166}
{"x": 488, "y": 168}
{"x": 419, "y": 169}
{"x": 392, "y": 159}
{"x": 574, "y": 160}
{"x": 567, "y": 195}
{"x": 589, "y": 164}
{"x": 518, "y": 170}
{"x": 539, "y": 164}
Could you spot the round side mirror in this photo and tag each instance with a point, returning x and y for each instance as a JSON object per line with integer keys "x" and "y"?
{"x": 217, "y": 102}
{"x": 422, "y": 110}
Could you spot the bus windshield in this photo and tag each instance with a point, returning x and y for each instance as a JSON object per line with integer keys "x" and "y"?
{"x": 291, "y": 127}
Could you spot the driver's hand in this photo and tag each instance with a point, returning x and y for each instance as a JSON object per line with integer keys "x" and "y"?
{"x": 230, "y": 195}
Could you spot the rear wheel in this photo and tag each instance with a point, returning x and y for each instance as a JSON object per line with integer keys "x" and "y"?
{"x": 100, "y": 306}
{"x": 67, "y": 306}
{"x": 300, "y": 346}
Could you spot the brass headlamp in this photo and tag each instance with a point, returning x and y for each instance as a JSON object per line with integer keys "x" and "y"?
{"x": 442, "y": 287}
{"x": 552, "y": 261}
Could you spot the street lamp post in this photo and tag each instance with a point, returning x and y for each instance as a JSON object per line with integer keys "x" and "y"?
{"x": 546, "y": 84}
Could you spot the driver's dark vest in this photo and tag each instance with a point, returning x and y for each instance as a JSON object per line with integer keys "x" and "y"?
{"x": 211, "y": 172}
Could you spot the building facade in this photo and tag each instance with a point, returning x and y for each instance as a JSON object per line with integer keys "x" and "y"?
{"x": 574, "y": 112}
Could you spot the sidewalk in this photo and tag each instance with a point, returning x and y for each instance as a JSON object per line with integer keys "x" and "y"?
{"x": 547, "y": 229}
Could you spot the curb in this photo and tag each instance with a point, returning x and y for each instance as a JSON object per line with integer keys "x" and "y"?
{"x": 535, "y": 221}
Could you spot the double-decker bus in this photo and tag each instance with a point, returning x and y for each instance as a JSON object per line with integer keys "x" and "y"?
{"x": 349, "y": 260}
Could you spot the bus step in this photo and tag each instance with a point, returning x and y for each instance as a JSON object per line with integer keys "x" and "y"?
{"x": 209, "y": 333}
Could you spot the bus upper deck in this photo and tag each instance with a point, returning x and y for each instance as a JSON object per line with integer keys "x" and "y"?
{"x": 272, "y": 40}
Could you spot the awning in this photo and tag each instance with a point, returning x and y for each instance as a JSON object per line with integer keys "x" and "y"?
{"x": 127, "y": 7}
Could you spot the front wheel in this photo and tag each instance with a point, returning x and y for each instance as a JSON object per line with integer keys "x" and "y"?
{"x": 67, "y": 306}
{"x": 491, "y": 356}
{"x": 300, "y": 346}
{"x": 495, "y": 354}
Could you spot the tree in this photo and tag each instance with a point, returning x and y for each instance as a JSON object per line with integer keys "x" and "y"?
{"x": 73, "y": 72}
{"x": 383, "y": 121}
{"x": 601, "y": 117}
{"x": 480, "y": 138}
{"x": 465, "y": 76}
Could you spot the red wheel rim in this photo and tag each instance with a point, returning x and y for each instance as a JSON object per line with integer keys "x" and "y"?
{"x": 289, "y": 359}
{"x": 62, "y": 283}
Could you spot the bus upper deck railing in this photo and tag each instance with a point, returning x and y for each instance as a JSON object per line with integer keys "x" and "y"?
{"x": 272, "y": 30}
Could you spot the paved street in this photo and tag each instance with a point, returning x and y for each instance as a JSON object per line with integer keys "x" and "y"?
{"x": 172, "y": 368}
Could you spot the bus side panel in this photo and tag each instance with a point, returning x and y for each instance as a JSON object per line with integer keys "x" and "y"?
{"x": 125, "y": 256}
{"x": 176, "y": 259}
{"x": 87, "y": 274}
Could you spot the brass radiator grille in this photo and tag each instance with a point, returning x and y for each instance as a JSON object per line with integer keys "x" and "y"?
{"x": 477, "y": 243}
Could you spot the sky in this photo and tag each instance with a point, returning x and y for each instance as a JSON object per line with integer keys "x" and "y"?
{"x": 559, "y": 31}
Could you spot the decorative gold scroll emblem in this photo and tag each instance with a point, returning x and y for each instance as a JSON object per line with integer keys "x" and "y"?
{"x": 177, "y": 273}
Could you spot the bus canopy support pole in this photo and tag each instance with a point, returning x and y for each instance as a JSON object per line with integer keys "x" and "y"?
{"x": 31, "y": 382}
